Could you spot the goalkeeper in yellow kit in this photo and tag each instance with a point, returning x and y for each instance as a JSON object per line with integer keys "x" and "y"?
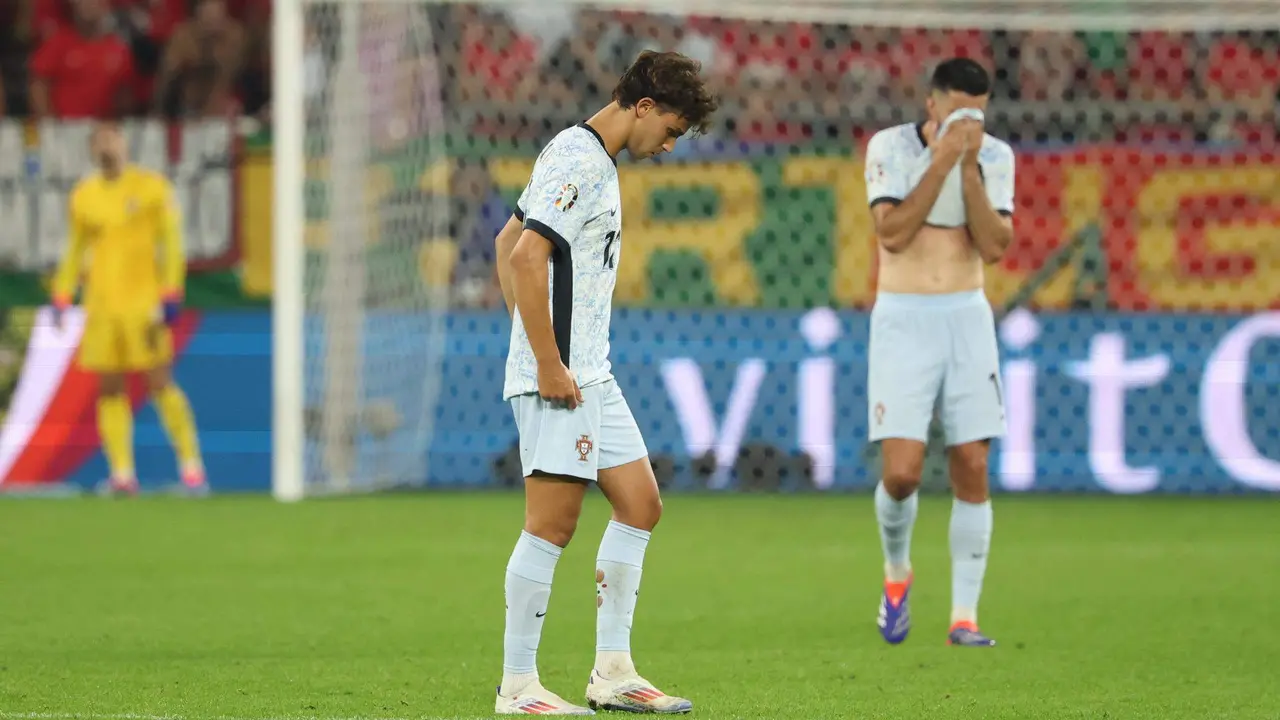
{"x": 125, "y": 240}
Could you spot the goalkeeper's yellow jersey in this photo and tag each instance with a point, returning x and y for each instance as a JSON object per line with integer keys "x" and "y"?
{"x": 126, "y": 242}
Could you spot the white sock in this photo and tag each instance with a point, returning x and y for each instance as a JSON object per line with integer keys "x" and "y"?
{"x": 897, "y": 519}
{"x": 970, "y": 536}
{"x": 618, "y": 569}
{"x": 528, "y": 589}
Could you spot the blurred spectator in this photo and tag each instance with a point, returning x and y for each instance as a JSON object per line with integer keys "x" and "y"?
{"x": 1107, "y": 53}
{"x": 399, "y": 76}
{"x": 84, "y": 70}
{"x": 16, "y": 20}
{"x": 1245, "y": 74}
{"x": 47, "y": 17}
{"x": 497, "y": 63}
{"x": 1049, "y": 63}
{"x": 767, "y": 102}
{"x": 592, "y": 55}
{"x": 1160, "y": 68}
{"x": 255, "y": 80}
{"x": 766, "y": 49}
{"x": 918, "y": 50}
{"x": 605, "y": 43}
{"x": 15, "y": 26}
{"x": 201, "y": 67}
{"x": 855, "y": 72}
{"x": 496, "y": 57}
{"x": 147, "y": 25}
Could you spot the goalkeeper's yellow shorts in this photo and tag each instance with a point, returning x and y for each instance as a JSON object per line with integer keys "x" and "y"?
{"x": 121, "y": 344}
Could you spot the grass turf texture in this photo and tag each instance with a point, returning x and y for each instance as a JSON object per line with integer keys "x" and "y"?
{"x": 754, "y": 607}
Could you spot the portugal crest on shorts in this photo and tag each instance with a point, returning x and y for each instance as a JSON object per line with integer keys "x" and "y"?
{"x": 584, "y": 446}
{"x": 567, "y": 197}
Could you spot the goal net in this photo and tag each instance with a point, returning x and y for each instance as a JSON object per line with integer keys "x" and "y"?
{"x": 365, "y": 246}
{"x": 405, "y": 129}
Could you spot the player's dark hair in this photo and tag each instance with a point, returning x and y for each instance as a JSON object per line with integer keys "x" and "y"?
{"x": 673, "y": 82}
{"x": 962, "y": 75}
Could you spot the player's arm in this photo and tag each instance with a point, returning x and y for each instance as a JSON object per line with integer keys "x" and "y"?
{"x": 67, "y": 277}
{"x": 529, "y": 266}
{"x": 988, "y": 204}
{"x": 504, "y": 245}
{"x": 554, "y": 214}
{"x": 899, "y": 213}
{"x": 173, "y": 258}
{"x": 532, "y": 293}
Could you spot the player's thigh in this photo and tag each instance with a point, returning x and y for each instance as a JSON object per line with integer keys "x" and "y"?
{"x": 101, "y": 345}
{"x": 973, "y": 397}
{"x": 905, "y": 368}
{"x": 626, "y": 476}
{"x": 901, "y": 465}
{"x": 558, "y": 458}
{"x": 552, "y": 505}
{"x": 147, "y": 344}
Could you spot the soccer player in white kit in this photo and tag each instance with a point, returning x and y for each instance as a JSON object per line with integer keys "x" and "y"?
{"x": 941, "y": 193}
{"x": 557, "y": 263}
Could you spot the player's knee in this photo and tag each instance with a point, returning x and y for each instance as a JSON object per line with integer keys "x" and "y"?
{"x": 110, "y": 385}
{"x": 643, "y": 514}
{"x": 555, "y": 529}
{"x": 901, "y": 475}
{"x": 902, "y": 467}
{"x": 969, "y": 468}
{"x": 901, "y": 481}
{"x": 158, "y": 380}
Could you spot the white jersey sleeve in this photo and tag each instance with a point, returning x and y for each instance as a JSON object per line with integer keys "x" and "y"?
{"x": 563, "y": 191}
{"x": 885, "y": 171}
{"x": 997, "y": 161}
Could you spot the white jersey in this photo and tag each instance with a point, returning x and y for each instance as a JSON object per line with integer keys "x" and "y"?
{"x": 573, "y": 200}
{"x": 898, "y": 156}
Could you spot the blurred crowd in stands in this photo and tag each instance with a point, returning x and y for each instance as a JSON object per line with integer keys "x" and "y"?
{"x": 521, "y": 72}
{"x": 125, "y": 58}
{"x": 790, "y": 82}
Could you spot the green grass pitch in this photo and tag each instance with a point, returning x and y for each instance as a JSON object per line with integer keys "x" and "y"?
{"x": 752, "y": 606}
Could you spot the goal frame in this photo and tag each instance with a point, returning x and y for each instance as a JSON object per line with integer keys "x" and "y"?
{"x": 288, "y": 301}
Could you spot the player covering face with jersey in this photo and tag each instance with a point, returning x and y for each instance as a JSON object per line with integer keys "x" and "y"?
{"x": 125, "y": 239}
{"x": 557, "y": 263}
{"x": 941, "y": 195}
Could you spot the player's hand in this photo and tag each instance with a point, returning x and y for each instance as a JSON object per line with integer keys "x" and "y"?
{"x": 954, "y": 142}
{"x": 973, "y": 142}
{"x": 58, "y": 309}
{"x": 170, "y": 309}
{"x": 557, "y": 385}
